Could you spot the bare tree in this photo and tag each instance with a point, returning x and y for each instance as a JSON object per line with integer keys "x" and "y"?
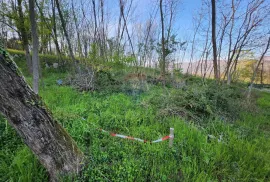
{"x": 252, "y": 19}
{"x": 63, "y": 23}
{"x": 53, "y": 27}
{"x": 214, "y": 41}
{"x": 125, "y": 25}
{"x": 77, "y": 29}
{"x": 257, "y": 67}
{"x": 197, "y": 24}
{"x": 163, "y": 58}
{"x": 95, "y": 20}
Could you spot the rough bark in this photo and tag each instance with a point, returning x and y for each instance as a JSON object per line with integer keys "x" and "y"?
{"x": 35, "y": 59}
{"x": 25, "y": 111}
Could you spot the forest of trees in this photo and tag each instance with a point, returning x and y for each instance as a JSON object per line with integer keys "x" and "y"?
{"x": 92, "y": 30}
{"x": 224, "y": 34}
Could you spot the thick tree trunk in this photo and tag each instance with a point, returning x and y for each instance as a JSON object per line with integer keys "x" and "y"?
{"x": 25, "y": 111}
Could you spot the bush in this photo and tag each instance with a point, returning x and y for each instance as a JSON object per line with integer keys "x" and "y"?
{"x": 105, "y": 81}
{"x": 199, "y": 102}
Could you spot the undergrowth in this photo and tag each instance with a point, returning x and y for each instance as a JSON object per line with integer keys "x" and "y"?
{"x": 238, "y": 149}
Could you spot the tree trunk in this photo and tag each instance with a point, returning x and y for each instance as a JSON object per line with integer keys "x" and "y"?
{"x": 63, "y": 23}
{"x": 214, "y": 41}
{"x": 257, "y": 67}
{"x": 35, "y": 60}
{"x": 77, "y": 30}
{"x": 162, "y": 65}
{"x": 125, "y": 26}
{"x": 28, "y": 57}
{"x": 262, "y": 72}
{"x": 26, "y": 112}
{"x": 95, "y": 18}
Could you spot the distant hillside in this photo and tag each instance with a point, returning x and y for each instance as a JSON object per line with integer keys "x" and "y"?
{"x": 245, "y": 68}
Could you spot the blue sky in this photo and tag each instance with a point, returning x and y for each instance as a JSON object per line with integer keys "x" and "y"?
{"x": 183, "y": 23}
{"x": 186, "y": 11}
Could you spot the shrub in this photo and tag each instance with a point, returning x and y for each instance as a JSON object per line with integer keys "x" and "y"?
{"x": 198, "y": 102}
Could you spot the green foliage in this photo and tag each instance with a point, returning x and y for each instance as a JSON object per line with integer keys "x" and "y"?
{"x": 237, "y": 151}
{"x": 171, "y": 45}
{"x": 198, "y": 102}
{"x": 17, "y": 163}
{"x": 264, "y": 100}
{"x": 105, "y": 82}
{"x": 93, "y": 55}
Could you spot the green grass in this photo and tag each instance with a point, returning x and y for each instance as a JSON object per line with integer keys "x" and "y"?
{"x": 242, "y": 154}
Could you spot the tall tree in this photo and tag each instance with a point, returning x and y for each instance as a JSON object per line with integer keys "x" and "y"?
{"x": 214, "y": 41}
{"x": 95, "y": 20}
{"x": 35, "y": 60}
{"x": 77, "y": 29}
{"x": 63, "y": 23}
{"x": 257, "y": 67}
{"x": 121, "y": 3}
{"x": 163, "y": 61}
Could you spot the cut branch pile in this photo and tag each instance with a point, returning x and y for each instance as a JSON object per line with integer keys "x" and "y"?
{"x": 83, "y": 80}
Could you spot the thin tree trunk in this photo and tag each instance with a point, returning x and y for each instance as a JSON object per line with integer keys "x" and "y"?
{"x": 257, "y": 67}
{"x": 262, "y": 72}
{"x": 162, "y": 65}
{"x": 118, "y": 35}
{"x": 230, "y": 46}
{"x": 55, "y": 31}
{"x": 214, "y": 41}
{"x": 77, "y": 29}
{"x": 63, "y": 23}
{"x": 103, "y": 37}
{"x": 25, "y": 111}
{"x": 125, "y": 26}
{"x": 35, "y": 59}
{"x": 95, "y": 20}
{"x": 193, "y": 46}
